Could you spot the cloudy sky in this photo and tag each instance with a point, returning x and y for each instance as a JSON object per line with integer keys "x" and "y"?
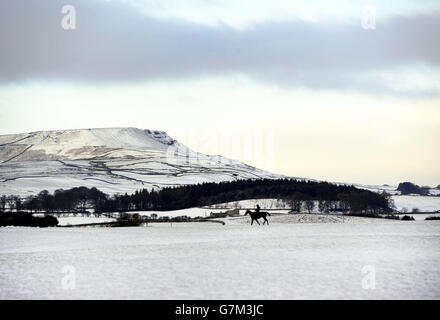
{"x": 342, "y": 91}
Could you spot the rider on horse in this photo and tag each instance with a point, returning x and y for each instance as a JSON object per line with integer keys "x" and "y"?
{"x": 257, "y": 215}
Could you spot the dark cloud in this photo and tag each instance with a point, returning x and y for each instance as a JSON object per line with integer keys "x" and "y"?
{"x": 114, "y": 42}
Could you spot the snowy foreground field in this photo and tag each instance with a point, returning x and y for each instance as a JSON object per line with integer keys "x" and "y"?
{"x": 327, "y": 258}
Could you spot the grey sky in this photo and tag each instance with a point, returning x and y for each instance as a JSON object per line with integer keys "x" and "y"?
{"x": 114, "y": 42}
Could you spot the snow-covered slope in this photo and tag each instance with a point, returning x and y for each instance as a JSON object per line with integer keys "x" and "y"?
{"x": 115, "y": 160}
{"x": 82, "y": 144}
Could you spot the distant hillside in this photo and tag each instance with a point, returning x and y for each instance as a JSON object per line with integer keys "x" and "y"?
{"x": 411, "y": 188}
{"x": 114, "y": 160}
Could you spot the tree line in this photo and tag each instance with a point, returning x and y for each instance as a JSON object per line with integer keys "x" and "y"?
{"x": 75, "y": 199}
{"x": 296, "y": 192}
{"x": 411, "y": 188}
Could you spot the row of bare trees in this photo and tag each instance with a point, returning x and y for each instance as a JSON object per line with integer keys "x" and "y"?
{"x": 77, "y": 199}
{"x": 10, "y": 203}
{"x": 330, "y": 197}
{"x": 356, "y": 202}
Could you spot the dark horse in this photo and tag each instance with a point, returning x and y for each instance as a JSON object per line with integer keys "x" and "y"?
{"x": 257, "y": 215}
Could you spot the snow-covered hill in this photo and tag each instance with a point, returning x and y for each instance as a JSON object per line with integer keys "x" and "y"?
{"x": 115, "y": 160}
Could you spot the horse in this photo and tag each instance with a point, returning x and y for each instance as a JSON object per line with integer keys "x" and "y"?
{"x": 257, "y": 215}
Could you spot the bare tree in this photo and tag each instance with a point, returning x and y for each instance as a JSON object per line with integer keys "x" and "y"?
{"x": 3, "y": 201}
{"x": 324, "y": 206}
{"x": 295, "y": 202}
{"x": 10, "y": 200}
{"x": 17, "y": 203}
{"x": 310, "y": 205}
{"x": 390, "y": 200}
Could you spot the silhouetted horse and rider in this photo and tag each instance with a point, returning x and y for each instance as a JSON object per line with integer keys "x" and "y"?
{"x": 257, "y": 215}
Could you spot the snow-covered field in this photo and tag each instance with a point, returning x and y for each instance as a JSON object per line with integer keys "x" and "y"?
{"x": 423, "y": 203}
{"x": 285, "y": 260}
{"x": 191, "y": 212}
